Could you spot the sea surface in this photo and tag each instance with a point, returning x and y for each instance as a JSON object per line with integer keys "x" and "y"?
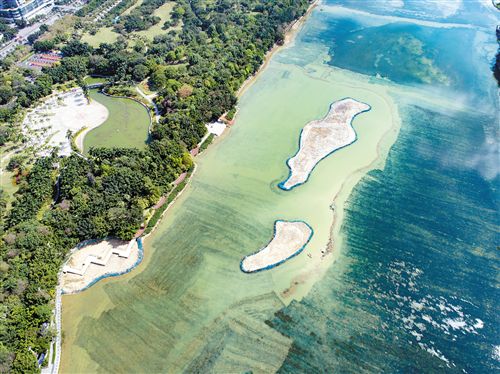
{"x": 401, "y": 274}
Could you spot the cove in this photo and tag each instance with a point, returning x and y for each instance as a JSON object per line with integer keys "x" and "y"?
{"x": 188, "y": 306}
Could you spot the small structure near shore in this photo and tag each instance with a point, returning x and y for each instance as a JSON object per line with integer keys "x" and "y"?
{"x": 321, "y": 138}
{"x": 99, "y": 260}
{"x": 290, "y": 238}
{"x": 216, "y": 128}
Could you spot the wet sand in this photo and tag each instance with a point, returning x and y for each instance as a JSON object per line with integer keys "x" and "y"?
{"x": 289, "y": 239}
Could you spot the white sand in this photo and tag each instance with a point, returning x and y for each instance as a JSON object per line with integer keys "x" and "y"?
{"x": 216, "y": 128}
{"x": 95, "y": 260}
{"x": 289, "y": 238}
{"x": 47, "y": 125}
{"x": 321, "y": 137}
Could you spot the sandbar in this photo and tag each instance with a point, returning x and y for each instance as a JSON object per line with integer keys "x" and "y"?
{"x": 320, "y": 138}
{"x": 93, "y": 262}
{"x": 290, "y": 238}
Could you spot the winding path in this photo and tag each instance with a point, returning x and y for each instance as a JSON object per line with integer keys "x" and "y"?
{"x": 150, "y": 100}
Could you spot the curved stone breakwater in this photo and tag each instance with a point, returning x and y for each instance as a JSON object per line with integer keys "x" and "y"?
{"x": 320, "y": 138}
{"x": 290, "y": 238}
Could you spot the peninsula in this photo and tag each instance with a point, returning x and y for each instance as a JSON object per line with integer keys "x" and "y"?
{"x": 320, "y": 138}
{"x": 290, "y": 238}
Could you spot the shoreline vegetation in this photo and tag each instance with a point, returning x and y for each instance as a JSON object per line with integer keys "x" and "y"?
{"x": 313, "y": 266}
{"x": 289, "y": 36}
{"x": 107, "y": 193}
{"x": 320, "y": 138}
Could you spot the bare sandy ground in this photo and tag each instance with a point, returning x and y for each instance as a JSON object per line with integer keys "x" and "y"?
{"x": 48, "y": 124}
{"x": 322, "y": 137}
{"x": 93, "y": 261}
{"x": 290, "y": 237}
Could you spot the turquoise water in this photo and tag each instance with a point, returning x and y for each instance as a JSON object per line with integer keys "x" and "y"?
{"x": 416, "y": 286}
{"x": 410, "y": 285}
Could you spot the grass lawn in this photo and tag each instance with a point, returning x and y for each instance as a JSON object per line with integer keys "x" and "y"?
{"x": 108, "y": 35}
{"x": 164, "y": 13}
{"x": 92, "y": 80}
{"x": 8, "y": 186}
{"x": 139, "y": 2}
{"x": 104, "y": 35}
{"x": 7, "y": 181}
{"x": 126, "y": 126}
{"x": 62, "y": 27}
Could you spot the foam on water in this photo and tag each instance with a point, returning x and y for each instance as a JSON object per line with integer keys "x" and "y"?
{"x": 413, "y": 286}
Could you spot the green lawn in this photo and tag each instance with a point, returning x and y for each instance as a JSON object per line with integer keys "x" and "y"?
{"x": 7, "y": 181}
{"x": 9, "y": 187}
{"x": 108, "y": 35}
{"x": 126, "y": 126}
{"x": 92, "y": 80}
{"x": 164, "y": 13}
{"x": 104, "y": 35}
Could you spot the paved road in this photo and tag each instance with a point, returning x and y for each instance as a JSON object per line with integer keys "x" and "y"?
{"x": 22, "y": 35}
{"x": 55, "y": 347}
{"x": 150, "y": 98}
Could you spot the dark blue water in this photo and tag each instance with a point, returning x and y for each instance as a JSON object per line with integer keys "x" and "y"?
{"x": 417, "y": 278}
{"x": 416, "y": 287}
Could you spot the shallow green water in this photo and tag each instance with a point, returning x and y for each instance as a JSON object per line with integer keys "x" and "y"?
{"x": 191, "y": 304}
{"x": 414, "y": 234}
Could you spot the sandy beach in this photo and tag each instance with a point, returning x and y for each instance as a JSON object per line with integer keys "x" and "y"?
{"x": 49, "y": 123}
{"x": 320, "y": 138}
{"x": 290, "y": 237}
{"x": 88, "y": 264}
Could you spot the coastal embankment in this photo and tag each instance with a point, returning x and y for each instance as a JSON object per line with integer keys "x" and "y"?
{"x": 189, "y": 295}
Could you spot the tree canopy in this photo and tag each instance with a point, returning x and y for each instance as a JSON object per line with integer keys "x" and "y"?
{"x": 196, "y": 71}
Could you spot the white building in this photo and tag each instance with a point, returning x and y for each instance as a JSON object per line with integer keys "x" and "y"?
{"x": 23, "y": 10}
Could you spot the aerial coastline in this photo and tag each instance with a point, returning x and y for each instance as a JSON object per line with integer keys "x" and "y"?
{"x": 289, "y": 36}
{"x": 312, "y": 263}
{"x": 175, "y": 231}
{"x": 112, "y": 191}
{"x": 294, "y": 279}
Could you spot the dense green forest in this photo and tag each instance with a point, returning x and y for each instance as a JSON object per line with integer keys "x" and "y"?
{"x": 62, "y": 201}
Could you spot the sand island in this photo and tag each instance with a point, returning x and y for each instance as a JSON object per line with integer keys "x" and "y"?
{"x": 99, "y": 260}
{"x": 290, "y": 238}
{"x": 320, "y": 138}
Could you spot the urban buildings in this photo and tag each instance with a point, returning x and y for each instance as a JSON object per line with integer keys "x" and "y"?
{"x": 23, "y": 10}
